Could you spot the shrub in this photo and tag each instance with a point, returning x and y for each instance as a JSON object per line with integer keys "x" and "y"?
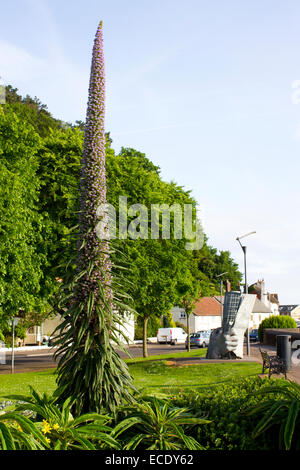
{"x": 49, "y": 425}
{"x": 154, "y": 424}
{"x": 224, "y": 405}
{"x": 153, "y": 326}
{"x": 20, "y": 331}
{"x": 275, "y": 321}
{"x": 150, "y": 423}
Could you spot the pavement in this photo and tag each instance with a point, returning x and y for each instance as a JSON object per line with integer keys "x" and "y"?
{"x": 41, "y": 358}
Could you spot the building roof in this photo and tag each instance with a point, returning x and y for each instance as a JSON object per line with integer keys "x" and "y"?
{"x": 287, "y": 308}
{"x": 260, "y": 307}
{"x": 208, "y": 306}
{"x": 211, "y": 306}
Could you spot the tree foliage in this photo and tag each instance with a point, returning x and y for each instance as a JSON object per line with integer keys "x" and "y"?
{"x": 32, "y": 111}
{"x": 21, "y": 263}
{"x": 158, "y": 268}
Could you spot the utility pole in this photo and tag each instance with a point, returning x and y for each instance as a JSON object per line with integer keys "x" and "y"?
{"x": 244, "y": 248}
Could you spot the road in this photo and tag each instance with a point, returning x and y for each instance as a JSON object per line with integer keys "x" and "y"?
{"x": 30, "y": 361}
{"x": 39, "y": 360}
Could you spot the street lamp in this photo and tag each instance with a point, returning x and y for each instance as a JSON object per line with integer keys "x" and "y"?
{"x": 221, "y": 289}
{"x": 13, "y": 323}
{"x": 244, "y": 248}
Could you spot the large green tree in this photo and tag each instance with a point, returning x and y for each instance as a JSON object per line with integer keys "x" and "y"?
{"x": 211, "y": 262}
{"x": 157, "y": 266}
{"x": 21, "y": 263}
{"x": 31, "y": 110}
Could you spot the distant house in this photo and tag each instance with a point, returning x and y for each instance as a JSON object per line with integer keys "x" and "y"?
{"x": 259, "y": 313}
{"x": 290, "y": 310}
{"x": 36, "y": 334}
{"x": 268, "y": 299}
{"x": 207, "y": 314}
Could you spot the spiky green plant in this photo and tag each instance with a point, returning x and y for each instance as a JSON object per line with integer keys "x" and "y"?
{"x": 155, "y": 424}
{"x": 282, "y": 409}
{"x": 89, "y": 368}
{"x": 17, "y": 432}
{"x": 52, "y": 425}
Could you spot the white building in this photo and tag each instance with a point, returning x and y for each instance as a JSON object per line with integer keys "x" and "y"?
{"x": 36, "y": 334}
{"x": 290, "y": 310}
{"x": 268, "y": 299}
{"x": 128, "y": 327}
{"x": 206, "y": 316}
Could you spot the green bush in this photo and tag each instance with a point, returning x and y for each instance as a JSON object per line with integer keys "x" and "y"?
{"x": 40, "y": 423}
{"x": 6, "y": 334}
{"x": 153, "y": 325}
{"x": 225, "y": 406}
{"x": 20, "y": 331}
{"x": 275, "y": 321}
{"x": 156, "y": 424}
{"x": 248, "y": 414}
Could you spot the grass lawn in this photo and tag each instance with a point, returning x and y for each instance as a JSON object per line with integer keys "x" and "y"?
{"x": 158, "y": 378}
{"x": 193, "y": 353}
{"x": 151, "y": 376}
{"x": 12, "y": 384}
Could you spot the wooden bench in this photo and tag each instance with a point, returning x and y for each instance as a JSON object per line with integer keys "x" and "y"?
{"x": 275, "y": 364}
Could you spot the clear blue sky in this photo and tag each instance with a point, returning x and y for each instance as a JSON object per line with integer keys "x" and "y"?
{"x": 203, "y": 88}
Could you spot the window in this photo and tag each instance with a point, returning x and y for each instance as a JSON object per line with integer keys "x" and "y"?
{"x": 182, "y": 314}
{"x": 30, "y": 330}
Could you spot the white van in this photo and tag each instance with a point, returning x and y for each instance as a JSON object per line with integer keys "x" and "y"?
{"x": 171, "y": 335}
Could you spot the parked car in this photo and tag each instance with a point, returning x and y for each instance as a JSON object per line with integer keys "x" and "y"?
{"x": 199, "y": 339}
{"x": 205, "y": 331}
{"x": 253, "y": 335}
{"x": 171, "y": 335}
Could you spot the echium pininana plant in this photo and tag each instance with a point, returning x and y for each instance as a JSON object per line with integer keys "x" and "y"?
{"x": 89, "y": 368}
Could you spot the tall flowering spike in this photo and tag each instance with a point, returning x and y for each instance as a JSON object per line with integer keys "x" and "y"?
{"x": 89, "y": 369}
{"x": 93, "y": 179}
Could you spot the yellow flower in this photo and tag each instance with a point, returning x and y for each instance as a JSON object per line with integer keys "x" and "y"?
{"x": 46, "y": 427}
{"x": 55, "y": 426}
{"x": 47, "y": 440}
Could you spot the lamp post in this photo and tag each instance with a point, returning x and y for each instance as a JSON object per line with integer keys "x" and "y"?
{"x": 221, "y": 290}
{"x": 13, "y": 323}
{"x": 244, "y": 248}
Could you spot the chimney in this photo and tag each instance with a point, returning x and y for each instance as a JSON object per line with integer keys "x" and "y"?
{"x": 263, "y": 293}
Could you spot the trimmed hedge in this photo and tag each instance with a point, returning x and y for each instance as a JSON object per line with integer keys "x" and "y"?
{"x": 275, "y": 321}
